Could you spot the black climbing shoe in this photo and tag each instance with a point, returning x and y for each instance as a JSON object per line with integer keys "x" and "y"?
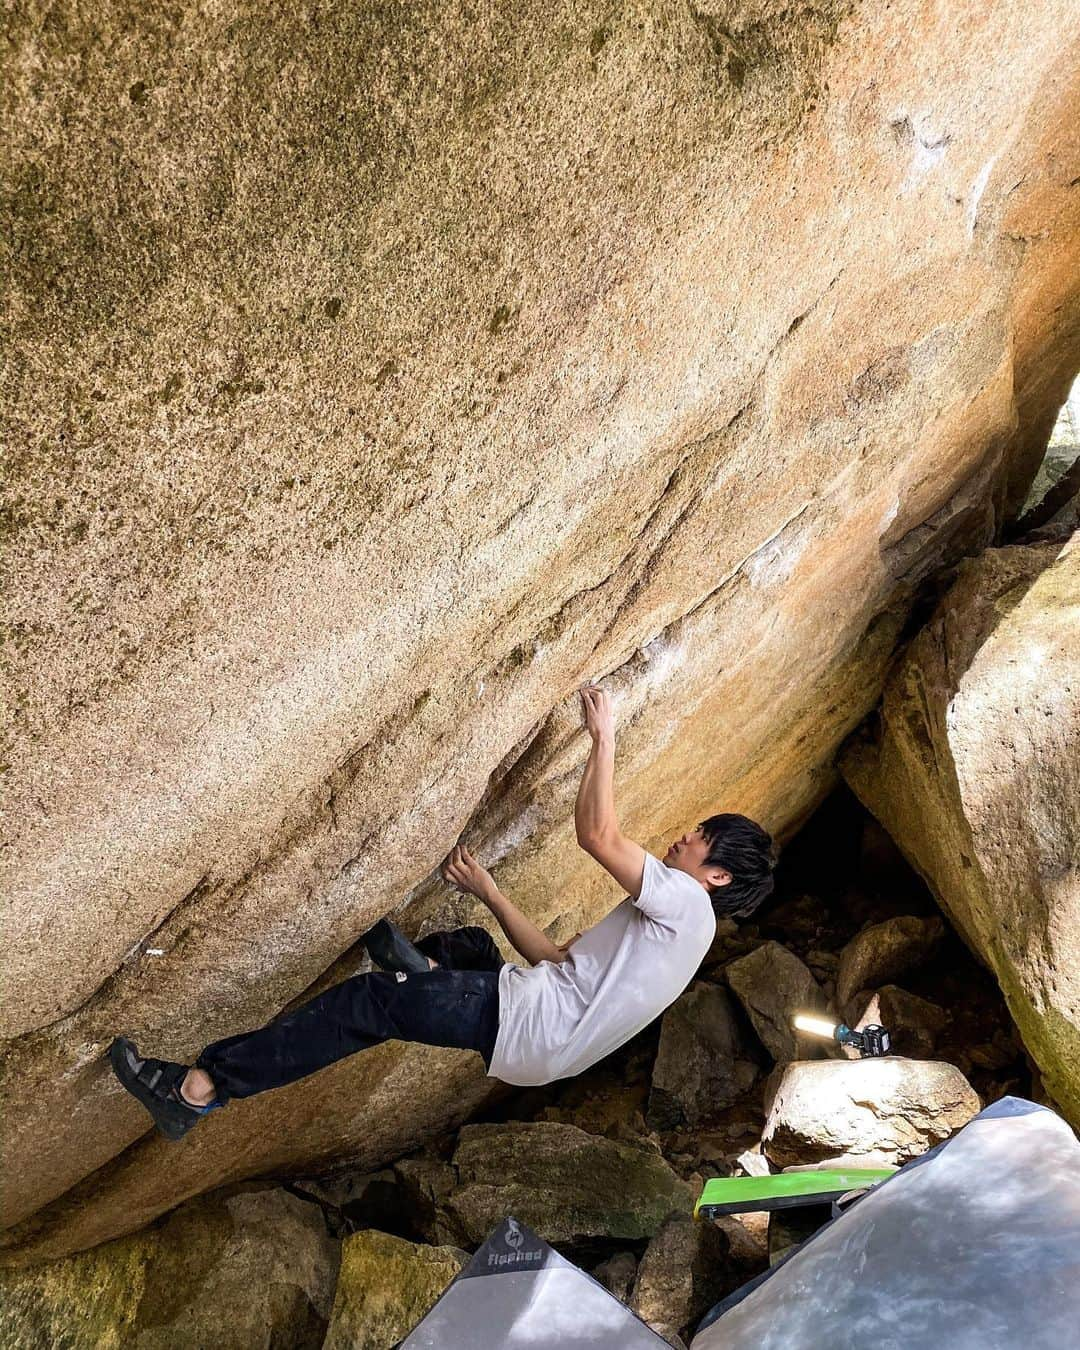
{"x": 156, "y": 1084}
{"x": 390, "y": 949}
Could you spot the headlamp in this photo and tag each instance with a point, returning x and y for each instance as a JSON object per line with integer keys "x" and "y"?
{"x": 870, "y": 1041}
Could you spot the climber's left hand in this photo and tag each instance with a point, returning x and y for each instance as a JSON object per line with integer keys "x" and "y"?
{"x": 462, "y": 870}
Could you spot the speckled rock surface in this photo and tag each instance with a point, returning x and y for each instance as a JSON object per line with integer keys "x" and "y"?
{"x": 375, "y": 376}
{"x": 774, "y": 986}
{"x": 874, "y": 1112}
{"x": 974, "y": 767}
{"x": 684, "y": 1271}
{"x": 385, "y": 1287}
{"x": 565, "y": 1184}
{"x": 251, "y": 1269}
{"x": 706, "y": 1058}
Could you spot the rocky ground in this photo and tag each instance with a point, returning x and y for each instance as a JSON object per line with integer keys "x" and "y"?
{"x": 607, "y": 1166}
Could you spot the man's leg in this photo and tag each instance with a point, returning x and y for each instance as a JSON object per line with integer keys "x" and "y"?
{"x": 471, "y": 948}
{"x": 440, "y": 1007}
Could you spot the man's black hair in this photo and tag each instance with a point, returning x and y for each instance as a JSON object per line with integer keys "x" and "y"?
{"x": 743, "y": 848}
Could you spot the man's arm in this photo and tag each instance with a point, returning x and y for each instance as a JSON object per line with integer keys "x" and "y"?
{"x": 598, "y": 830}
{"x": 463, "y": 871}
{"x": 524, "y": 935}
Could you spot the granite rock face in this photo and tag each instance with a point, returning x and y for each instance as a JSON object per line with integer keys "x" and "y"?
{"x": 684, "y": 1271}
{"x": 377, "y": 376}
{"x": 873, "y": 1111}
{"x": 974, "y": 767}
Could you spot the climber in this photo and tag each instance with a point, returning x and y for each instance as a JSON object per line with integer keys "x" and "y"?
{"x": 572, "y": 1005}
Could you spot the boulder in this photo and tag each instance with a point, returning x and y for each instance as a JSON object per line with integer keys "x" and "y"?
{"x": 371, "y": 382}
{"x": 753, "y": 1163}
{"x": 617, "y": 1274}
{"x": 822, "y": 965}
{"x": 772, "y": 984}
{"x": 885, "y": 950}
{"x": 879, "y": 1111}
{"x": 565, "y": 1184}
{"x": 747, "y": 1241}
{"x": 256, "y": 1268}
{"x": 611, "y": 1099}
{"x": 996, "y": 1053}
{"x": 704, "y": 1062}
{"x": 385, "y": 1286}
{"x": 914, "y": 1023}
{"x": 684, "y": 1271}
{"x": 973, "y": 767}
{"x": 426, "y": 1184}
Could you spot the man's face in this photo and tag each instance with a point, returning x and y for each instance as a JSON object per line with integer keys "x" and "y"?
{"x": 688, "y": 852}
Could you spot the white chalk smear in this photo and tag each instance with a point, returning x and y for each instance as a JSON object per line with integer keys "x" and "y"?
{"x": 977, "y": 190}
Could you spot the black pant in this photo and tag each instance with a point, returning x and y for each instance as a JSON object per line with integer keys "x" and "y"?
{"x": 456, "y": 1005}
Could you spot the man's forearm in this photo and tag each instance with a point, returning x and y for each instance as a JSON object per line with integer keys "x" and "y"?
{"x": 524, "y": 935}
{"x": 594, "y": 810}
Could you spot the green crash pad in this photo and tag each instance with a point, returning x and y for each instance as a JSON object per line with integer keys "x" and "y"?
{"x": 736, "y": 1195}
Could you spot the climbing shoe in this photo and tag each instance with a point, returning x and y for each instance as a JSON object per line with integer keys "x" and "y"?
{"x": 156, "y": 1084}
{"x": 390, "y": 949}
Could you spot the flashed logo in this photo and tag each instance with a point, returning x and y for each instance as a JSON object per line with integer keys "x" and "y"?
{"x": 515, "y": 1239}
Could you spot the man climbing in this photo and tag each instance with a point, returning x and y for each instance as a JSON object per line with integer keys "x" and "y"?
{"x": 570, "y": 1007}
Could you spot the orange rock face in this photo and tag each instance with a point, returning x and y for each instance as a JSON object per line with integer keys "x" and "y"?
{"x": 375, "y": 381}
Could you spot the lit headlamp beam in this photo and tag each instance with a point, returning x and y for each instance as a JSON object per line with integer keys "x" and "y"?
{"x": 818, "y": 1026}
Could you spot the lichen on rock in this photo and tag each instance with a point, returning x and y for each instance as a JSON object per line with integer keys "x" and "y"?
{"x": 252, "y": 1268}
{"x": 385, "y": 1287}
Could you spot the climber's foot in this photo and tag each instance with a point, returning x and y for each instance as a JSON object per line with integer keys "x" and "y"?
{"x": 390, "y": 949}
{"x": 155, "y": 1083}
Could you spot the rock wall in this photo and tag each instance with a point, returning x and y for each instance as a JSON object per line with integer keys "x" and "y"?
{"x": 378, "y": 375}
{"x": 974, "y": 767}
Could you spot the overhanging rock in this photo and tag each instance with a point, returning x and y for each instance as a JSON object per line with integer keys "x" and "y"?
{"x": 373, "y": 387}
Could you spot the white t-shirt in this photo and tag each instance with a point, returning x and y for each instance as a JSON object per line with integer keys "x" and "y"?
{"x": 557, "y": 1018}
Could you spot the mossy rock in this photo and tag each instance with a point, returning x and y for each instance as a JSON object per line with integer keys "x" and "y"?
{"x": 565, "y": 1184}
{"x": 385, "y": 1287}
{"x": 253, "y": 1268}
